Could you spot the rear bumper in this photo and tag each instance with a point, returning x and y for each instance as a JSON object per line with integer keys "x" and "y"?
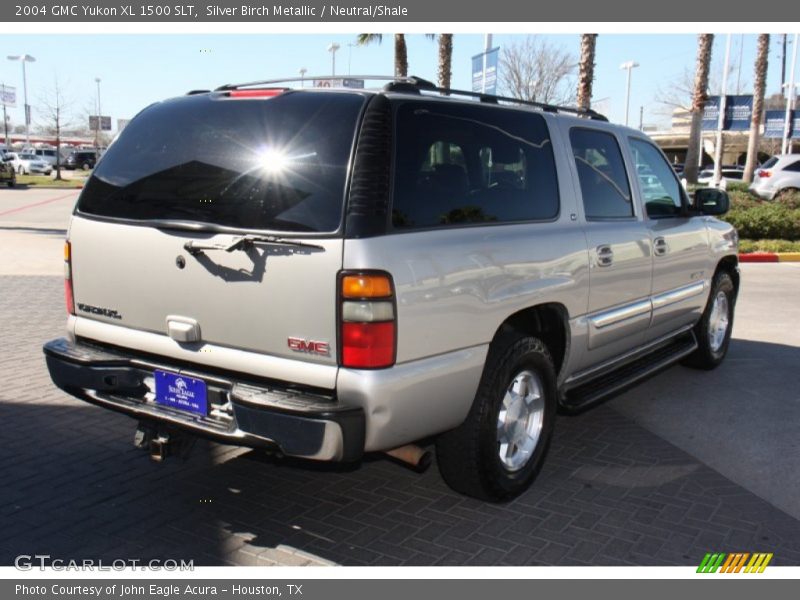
{"x": 296, "y": 423}
{"x": 763, "y": 190}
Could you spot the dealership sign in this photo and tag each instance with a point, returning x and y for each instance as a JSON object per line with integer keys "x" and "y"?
{"x": 738, "y": 113}
{"x": 774, "y": 121}
{"x": 8, "y": 95}
{"x": 485, "y": 82}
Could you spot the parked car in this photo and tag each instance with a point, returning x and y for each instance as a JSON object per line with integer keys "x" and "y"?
{"x": 706, "y": 176}
{"x": 779, "y": 175}
{"x": 324, "y": 273}
{"x": 7, "y": 172}
{"x": 81, "y": 159}
{"x": 28, "y": 164}
{"x": 47, "y": 155}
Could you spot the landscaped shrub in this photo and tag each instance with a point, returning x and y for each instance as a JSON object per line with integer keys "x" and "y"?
{"x": 765, "y": 220}
{"x": 746, "y": 246}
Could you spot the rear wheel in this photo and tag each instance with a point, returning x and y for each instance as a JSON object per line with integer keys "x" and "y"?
{"x": 496, "y": 453}
{"x": 21, "y": 170}
{"x": 713, "y": 332}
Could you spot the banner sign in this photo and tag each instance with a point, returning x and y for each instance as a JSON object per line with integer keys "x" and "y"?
{"x": 485, "y": 82}
{"x": 738, "y": 112}
{"x": 773, "y": 123}
{"x": 8, "y": 96}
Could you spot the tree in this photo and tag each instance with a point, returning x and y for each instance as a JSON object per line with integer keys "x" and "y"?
{"x": 586, "y": 70}
{"x": 536, "y": 71}
{"x": 400, "y": 50}
{"x": 705, "y": 42}
{"x": 445, "y": 59}
{"x": 54, "y": 112}
{"x": 759, "y": 87}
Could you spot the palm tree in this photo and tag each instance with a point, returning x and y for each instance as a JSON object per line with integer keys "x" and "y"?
{"x": 400, "y": 50}
{"x": 759, "y": 86}
{"x": 445, "y": 59}
{"x": 586, "y": 70}
{"x": 705, "y": 42}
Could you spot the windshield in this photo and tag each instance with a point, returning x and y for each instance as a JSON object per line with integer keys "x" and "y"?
{"x": 276, "y": 164}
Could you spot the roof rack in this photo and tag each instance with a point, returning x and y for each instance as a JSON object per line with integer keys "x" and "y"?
{"x": 416, "y": 85}
{"x": 236, "y": 86}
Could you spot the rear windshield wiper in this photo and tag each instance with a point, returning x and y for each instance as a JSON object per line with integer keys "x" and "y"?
{"x": 245, "y": 242}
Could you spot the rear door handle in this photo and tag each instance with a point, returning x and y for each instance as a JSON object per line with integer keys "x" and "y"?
{"x": 605, "y": 255}
{"x": 660, "y": 247}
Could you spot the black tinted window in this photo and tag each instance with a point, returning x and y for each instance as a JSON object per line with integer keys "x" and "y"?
{"x": 660, "y": 189}
{"x": 276, "y": 164}
{"x": 794, "y": 167}
{"x": 602, "y": 175}
{"x": 460, "y": 164}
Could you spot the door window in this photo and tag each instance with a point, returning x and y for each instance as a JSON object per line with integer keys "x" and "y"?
{"x": 601, "y": 173}
{"x": 661, "y": 192}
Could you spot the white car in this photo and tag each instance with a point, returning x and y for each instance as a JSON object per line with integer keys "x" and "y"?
{"x": 706, "y": 176}
{"x": 779, "y": 175}
{"x": 28, "y": 164}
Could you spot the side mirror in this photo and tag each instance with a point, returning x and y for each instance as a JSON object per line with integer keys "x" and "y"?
{"x": 711, "y": 201}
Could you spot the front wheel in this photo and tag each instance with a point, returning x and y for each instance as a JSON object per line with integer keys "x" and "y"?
{"x": 496, "y": 453}
{"x": 713, "y": 332}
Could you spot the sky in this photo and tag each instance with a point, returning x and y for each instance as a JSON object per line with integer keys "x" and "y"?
{"x": 138, "y": 69}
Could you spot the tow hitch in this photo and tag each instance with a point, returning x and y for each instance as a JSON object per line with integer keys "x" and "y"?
{"x": 161, "y": 443}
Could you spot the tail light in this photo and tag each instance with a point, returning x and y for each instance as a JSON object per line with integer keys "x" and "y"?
{"x": 764, "y": 174}
{"x": 68, "y": 278}
{"x": 368, "y": 322}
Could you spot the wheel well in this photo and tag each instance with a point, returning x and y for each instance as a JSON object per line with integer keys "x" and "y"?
{"x": 548, "y": 322}
{"x": 730, "y": 264}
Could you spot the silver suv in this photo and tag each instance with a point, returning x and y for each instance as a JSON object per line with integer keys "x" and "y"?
{"x": 777, "y": 176}
{"x": 324, "y": 273}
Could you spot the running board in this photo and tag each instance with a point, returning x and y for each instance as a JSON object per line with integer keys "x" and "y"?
{"x": 614, "y": 382}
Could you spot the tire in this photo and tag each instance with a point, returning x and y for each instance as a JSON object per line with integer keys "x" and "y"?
{"x": 477, "y": 458}
{"x": 85, "y": 166}
{"x": 785, "y": 193}
{"x": 13, "y": 181}
{"x": 21, "y": 170}
{"x": 713, "y": 331}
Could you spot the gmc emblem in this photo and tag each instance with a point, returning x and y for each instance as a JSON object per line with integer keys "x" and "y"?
{"x": 309, "y": 346}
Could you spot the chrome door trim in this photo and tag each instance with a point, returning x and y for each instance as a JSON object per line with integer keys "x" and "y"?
{"x": 678, "y": 295}
{"x": 623, "y": 313}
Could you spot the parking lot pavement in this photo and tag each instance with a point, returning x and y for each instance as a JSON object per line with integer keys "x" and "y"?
{"x": 33, "y": 224}
{"x": 613, "y": 491}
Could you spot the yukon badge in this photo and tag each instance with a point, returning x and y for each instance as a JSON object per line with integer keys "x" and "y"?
{"x": 96, "y": 310}
{"x": 309, "y": 346}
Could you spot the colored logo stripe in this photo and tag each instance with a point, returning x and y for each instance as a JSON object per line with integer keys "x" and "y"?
{"x": 734, "y": 562}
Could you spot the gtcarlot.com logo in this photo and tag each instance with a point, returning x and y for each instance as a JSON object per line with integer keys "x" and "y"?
{"x": 734, "y": 562}
{"x": 28, "y": 562}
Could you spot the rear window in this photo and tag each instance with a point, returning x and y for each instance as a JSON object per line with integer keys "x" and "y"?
{"x": 460, "y": 164}
{"x": 771, "y": 162}
{"x": 278, "y": 164}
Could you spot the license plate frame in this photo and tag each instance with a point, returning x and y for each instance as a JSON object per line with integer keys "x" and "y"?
{"x": 181, "y": 392}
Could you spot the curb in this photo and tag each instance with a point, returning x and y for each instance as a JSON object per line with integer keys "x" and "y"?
{"x": 770, "y": 257}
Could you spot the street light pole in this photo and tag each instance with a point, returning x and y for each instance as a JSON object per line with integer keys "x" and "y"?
{"x": 628, "y": 66}
{"x": 721, "y": 118}
{"x": 332, "y": 49}
{"x": 303, "y": 72}
{"x": 787, "y": 123}
{"x": 25, "y": 58}
{"x": 99, "y": 118}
